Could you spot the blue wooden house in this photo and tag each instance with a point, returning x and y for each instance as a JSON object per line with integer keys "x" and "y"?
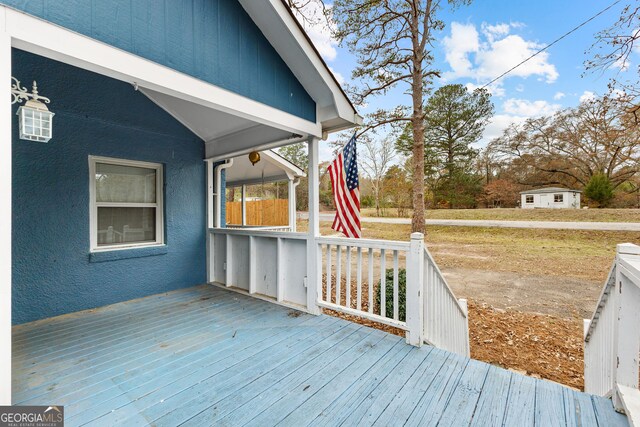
{"x": 124, "y": 299}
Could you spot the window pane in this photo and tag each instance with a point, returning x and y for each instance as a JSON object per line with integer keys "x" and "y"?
{"x": 126, "y": 225}
{"x": 117, "y": 183}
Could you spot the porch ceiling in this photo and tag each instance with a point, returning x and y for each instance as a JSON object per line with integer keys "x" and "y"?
{"x": 223, "y": 132}
{"x": 272, "y": 167}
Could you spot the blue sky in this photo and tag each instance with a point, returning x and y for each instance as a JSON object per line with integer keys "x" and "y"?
{"x": 487, "y": 38}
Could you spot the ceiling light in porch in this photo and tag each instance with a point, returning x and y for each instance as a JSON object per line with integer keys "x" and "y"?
{"x": 35, "y": 119}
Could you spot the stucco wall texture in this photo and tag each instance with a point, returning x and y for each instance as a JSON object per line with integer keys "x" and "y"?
{"x": 53, "y": 270}
{"x": 212, "y": 40}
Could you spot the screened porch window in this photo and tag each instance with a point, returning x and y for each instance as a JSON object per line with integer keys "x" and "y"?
{"x": 126, "y": 199}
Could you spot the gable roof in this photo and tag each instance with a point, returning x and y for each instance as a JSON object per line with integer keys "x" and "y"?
{"x": 278, "y": 24}
{"x": 550, "y": 190}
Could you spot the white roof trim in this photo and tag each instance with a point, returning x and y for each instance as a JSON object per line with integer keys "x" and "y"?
{"x": 295, "y": 48}
{"x": 284, "y": 164}
{"x": 55, "y": 42}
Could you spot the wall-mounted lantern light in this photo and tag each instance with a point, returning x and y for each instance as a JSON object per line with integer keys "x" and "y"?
{"x": 35, "y": 119}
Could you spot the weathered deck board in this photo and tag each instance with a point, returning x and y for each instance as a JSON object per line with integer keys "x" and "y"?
{"x": 208, "y": 356}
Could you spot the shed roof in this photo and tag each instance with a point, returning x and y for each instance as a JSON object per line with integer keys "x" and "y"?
{"x": 550, "y": 190}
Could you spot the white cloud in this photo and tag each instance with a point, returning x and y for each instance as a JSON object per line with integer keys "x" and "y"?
{"x": 520, "y": 88}
{"x": 526, "y": 108}
{"x": 515, "y": 111}
{"x": 464, "y": 40}
{"x": 559, "y": 95}
{"x": 587, "y": 95}
{"x": 498, "y": 124}
{"x": 494, "y": 88}
{"x": 471, "y": 57}
{"x": 318, "y": 29}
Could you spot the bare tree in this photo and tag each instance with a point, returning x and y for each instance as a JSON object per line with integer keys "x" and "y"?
{"x": 573, "y": 145}
{"x": 613, "y": 45}
{"x": 375, "y": 159}
{"x": 612, "y": 48}
{"x": 392, "y": 41}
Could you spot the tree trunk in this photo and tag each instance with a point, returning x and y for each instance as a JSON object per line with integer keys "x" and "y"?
{"x": 417, "y": 121}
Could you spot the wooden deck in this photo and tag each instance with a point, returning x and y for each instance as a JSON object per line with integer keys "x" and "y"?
{"x": 207, "y": 356}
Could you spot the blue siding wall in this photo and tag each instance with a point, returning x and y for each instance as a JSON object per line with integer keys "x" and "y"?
{"x": 213, "y": 40}
{"x": 53, "y": 272}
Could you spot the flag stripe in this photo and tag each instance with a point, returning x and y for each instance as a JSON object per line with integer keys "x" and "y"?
{"x": 343, "y": 172}
{"x": 336, "y": 175}
{"x": 346, "y": 210}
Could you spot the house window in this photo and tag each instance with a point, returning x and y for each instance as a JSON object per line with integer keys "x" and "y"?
{"x": 558, "y": 198}
{"x": 126, "y": 204}
{"x": 529, "y": 199}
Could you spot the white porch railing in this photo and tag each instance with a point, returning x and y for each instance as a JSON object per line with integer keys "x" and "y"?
{"x": 267, "y": 264}
{"x": 361, "y": 277}
{"x": 446, "y": 321}
{"x": 357, "y": 282}
{"x": 612, "y": 336}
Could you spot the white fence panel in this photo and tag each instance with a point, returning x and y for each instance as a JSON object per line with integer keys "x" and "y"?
{"x": 599, "y": 342}
{"x": 354, "y": 278}
{"x": 612, "y": 336}
{"x": 446, "y": 323}
{"x": 267, "y": 264}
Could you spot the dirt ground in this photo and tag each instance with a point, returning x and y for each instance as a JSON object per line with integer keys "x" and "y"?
{"x": 567, "y": 297}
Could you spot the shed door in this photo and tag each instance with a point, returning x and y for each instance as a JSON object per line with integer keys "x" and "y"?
{"x": 545, "y": 200}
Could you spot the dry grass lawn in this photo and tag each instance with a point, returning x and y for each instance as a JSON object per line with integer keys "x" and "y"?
{"x": 563, "y": 253}
{"x": 579, "y": 215}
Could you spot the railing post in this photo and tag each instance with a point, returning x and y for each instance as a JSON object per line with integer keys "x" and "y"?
{"x": 314, "y": 258}
{"x": 465, "y": 308}
{"x": 415, "y": 290}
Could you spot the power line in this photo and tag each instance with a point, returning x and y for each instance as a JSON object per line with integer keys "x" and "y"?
{"x": 552, "y": 43}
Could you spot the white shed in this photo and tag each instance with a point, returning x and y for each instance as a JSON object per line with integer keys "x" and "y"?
{"x": 551, "y": 197}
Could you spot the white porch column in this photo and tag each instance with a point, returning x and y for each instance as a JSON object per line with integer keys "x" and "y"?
{"x": 244, "y": 205}
{"x": 292, "y": 205}
{"x": 6, "y": 122}
{"x": 210, "y": 194}
{"x": 314, "y": 257}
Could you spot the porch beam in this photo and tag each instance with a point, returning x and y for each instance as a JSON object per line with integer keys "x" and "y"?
{"x": 314, "y": 259}
{"x": 6, "y": 122}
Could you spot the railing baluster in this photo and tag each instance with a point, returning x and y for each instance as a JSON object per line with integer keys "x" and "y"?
{"x": 370, "y": 280}
{"x": 328, "y": 299}
{"x": 359, "y": 281}
{"x": 395, "y": 286}
{"x": 347, "y": 288}
{"x": 383, "y": 283}
{"x": 338, "y": 273}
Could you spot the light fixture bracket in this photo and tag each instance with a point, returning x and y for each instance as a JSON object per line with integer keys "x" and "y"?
{"x": 20, "y": 93}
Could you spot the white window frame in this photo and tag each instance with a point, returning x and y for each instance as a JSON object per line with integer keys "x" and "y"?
{"x": 93, "y": 204}
{"x": 526, "y": 199}
{"x": 561, "y": 195}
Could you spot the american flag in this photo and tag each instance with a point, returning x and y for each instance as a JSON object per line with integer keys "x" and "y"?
{"x": 346, "y": 190}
